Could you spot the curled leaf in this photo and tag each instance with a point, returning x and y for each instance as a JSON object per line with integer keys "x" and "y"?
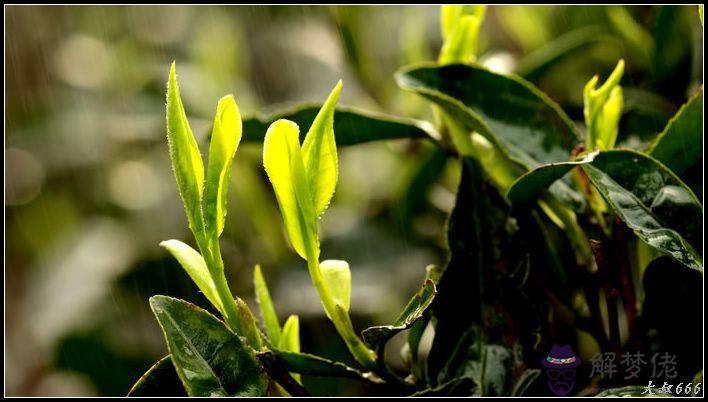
{"x": 338, "y": 279}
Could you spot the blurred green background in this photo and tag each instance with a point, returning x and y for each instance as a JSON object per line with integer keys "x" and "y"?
{"x": 89, "y": 192}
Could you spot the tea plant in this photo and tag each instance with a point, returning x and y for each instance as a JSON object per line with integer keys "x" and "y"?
{"x": 550, "y": 235}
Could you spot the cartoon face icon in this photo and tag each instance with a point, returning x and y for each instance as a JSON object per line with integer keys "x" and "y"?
{"x": 560, "y": 367}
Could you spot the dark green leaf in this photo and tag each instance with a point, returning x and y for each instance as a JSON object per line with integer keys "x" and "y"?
{"x": 471, "y": 257}
{"x": 680, "y": 145}
{"x": 532, "y": 183}
{"x": 159, "y": 381}
{"x": 352, "y": 126}
{"x": 527, "y": 125}
{"x": 210, "y": 360}
{"x": 376, "y": 337}
{"x": 652, "y": 201}
{"x": 307, "y": 364}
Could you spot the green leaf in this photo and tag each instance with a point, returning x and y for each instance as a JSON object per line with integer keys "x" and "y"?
{"x": 352, "y": 125}
{"x": 290, "y": 339}
{"x": 602, "y": 110}
{"x": 338, "y": 280}
{"x": 210, "y": 360}
{"x": 270, "y": 318}
{"x": 282, "y": 159}
{"x": 311, "y": 365}
{"x": 196, "y": 268}
{"x": 461, "y": 45}
{"x": 248, "y": 324}
{"x": 652, "y": 201}
{"x": 376, "y": 337}
{"x": 634, "y": 391}
{"x": 319, "y": 152}
{"x": 186, "y": 159}
{"x": 680, "y": 145}
{"x": 511, "y": 113}
{"x": 160, "y": 380}
{"x": 225, "y": 137}
{"x": 451, "y": 14}
{"x": 532, "y": 183}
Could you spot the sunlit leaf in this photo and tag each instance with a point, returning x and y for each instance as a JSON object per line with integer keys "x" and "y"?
{"x": 196, "y": 268}
{"x": 160, "y": 380}
{"x": 603, "y": 108}
{"x": 186, "y": 159}
{"x": 282, "y": 159}
{"x": 461, "y": 45}
{"x": 270, "y": 318}
{"x": 225, "y": 137}
{"x": 210, "y": 360}
{"x": 290, "y": 339}
{"x": 451, "y": 14}
{"x": 319, "y": 152}
{"x": 247, "y": 324}
{"x": 680, "y": 145}
{"x": 338, "y": 279}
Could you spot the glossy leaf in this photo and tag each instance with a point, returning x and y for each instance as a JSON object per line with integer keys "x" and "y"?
{"x": 514, "y": 115}
{"x": 352, "y": 125}
{"x": 225, "y": 137}
{"x": 377, "y": 336}
{"x": 532, "y": 183}
{"x": 160, "y": 380}
{"x": 210, "y": 360}
{"x": 648, "y": 198}
{"x": 680, "y": 145}
{"x": 338, "y": 280}
{"x": 270, "y": 317}
{"x": 186, "y": 160}
{"x": 311, "y": 365}
{"x": 319, "y": 152}
{"x": 282, "y": 159}
{"x": 603, "y": 108}
{"x": 196, "y": 268}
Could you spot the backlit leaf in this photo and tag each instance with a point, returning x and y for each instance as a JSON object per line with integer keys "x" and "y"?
{"x": 186, "y": 159}
{"x": 225, "y": 137}
{"x": 337, "y": 277}
{"x": 319, "y": 152}
{"x": 270, "y": 318}
{"x": 196, "y": 268}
